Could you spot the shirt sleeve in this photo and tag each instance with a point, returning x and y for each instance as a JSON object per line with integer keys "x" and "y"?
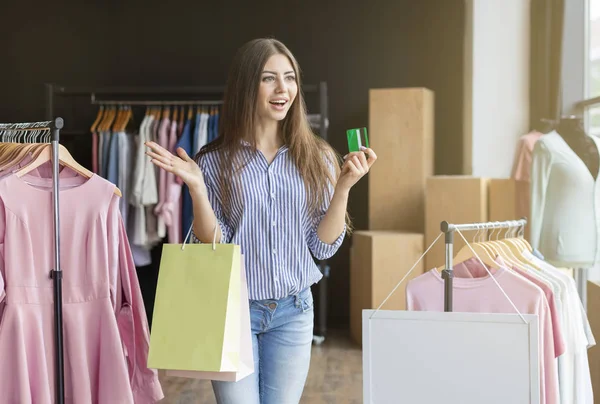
{"x": 130, "y": 312}
{"x": 540, "y": 173}
{"x": 210, "y": 168}
{"x": 520, "y": 167}
{"x": 320, "y": 249}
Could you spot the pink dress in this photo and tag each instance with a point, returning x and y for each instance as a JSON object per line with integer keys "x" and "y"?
{"x": 105, "y": 331}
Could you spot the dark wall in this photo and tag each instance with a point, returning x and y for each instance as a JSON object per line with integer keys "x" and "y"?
{"x": 353, "y": 46}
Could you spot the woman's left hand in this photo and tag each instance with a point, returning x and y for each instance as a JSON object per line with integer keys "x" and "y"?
{"x": 356, "y": 165}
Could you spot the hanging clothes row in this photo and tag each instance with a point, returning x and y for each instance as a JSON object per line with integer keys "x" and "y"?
{"x": 486, "y": 269}
{"x": 156, "y": 205}
{"x": 106, "y": 334}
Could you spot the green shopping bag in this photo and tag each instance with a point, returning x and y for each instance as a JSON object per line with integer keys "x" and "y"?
{"x": 196, "y": 319}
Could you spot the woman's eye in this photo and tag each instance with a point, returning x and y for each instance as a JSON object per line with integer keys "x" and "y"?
{"x": 291, "y": 78}
{"x": 268, "y": 78}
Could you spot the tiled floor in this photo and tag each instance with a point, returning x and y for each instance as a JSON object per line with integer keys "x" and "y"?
{"x": 335, "y": 377}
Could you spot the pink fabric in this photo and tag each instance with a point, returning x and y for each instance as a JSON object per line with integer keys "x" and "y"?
{"x": 475, "y": 291}
{"x": 521, "y": 172}
{"x": 95, "y": 152}
{"x": 472, "y": 266}
{"x": 106, "y": 336}
{"x": 522, "y": 164}
{"x": 559, "y": 342}
{"x": 171, "y": 210}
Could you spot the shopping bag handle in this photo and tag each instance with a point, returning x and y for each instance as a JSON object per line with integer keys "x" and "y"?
{"x": 214, "y": 242}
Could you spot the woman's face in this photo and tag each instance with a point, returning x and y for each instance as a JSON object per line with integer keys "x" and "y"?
{"x": 278, "y": 88}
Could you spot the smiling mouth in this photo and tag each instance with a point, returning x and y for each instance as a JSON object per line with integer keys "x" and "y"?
{"x": 279, "y": 103}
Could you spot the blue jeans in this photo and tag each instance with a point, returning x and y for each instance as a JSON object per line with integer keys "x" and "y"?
{"x": 282, "y": 332}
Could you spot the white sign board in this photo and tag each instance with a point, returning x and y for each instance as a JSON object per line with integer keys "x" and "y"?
{"x": 419, "y": 357}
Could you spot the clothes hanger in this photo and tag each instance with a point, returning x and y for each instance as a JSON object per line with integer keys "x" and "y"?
{"x": 117, "y": 120}
{"x": 490, "y": 246}
{"x": 175, "y": 114}
{"x": 465, "y": 253}
{"x": 517, "y": 248}
{"x": 507, "y": 253}
{"x": 129, "y": 118}
{"x": 109, "y": 119}
{"x": 98, "y": 119}
{"x": 181, "y": 115}
{"x": 64, "y": 158}
{"x": 14, "y": 152}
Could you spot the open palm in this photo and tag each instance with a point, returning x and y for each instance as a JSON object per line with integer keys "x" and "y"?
{"x": 182, "y": 165}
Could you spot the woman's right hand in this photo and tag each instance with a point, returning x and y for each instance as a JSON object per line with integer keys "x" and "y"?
{"x": 182, "y": 165}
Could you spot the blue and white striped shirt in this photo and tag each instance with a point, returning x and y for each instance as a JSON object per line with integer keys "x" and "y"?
{"x": 273, "y": 227}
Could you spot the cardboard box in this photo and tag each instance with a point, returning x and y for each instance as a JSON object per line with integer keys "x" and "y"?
{"x": 455, "y": 199}
{"x": 378, "y": 261}
{"x": 509, "y": 200}
{"x": 401, "y": 131}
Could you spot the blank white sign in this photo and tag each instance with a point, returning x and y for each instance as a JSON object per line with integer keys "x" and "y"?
{"x": 417, "y": 357}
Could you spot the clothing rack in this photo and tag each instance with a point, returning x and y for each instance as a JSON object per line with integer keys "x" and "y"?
{"x": 448, "y": 230}
{"x": 32, "y": 131}
{"x": 319, "y": 121}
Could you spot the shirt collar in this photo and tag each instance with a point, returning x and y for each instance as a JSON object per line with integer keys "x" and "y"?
{"x": 282, "y": 149}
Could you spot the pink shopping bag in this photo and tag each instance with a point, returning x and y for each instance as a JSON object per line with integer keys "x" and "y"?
{"x": 246, "y": 364}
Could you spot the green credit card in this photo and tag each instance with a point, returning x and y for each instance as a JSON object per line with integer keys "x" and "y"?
{"x": 357, "y": 138}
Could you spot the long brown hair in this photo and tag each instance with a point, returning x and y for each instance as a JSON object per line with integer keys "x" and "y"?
{"x": 312, "y": 155}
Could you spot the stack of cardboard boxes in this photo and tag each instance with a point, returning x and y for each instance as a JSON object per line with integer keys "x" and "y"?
{"x": 401, "y": 131}
{"x": 407, "y": 203}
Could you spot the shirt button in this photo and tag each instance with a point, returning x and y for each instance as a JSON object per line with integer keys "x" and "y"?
{"x": 274, "y": 251}
{"x": 273, "y": 222}
{"x": 273, "y": 195}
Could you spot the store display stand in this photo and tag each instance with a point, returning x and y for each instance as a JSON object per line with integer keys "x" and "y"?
{"x": 448, "y": 357}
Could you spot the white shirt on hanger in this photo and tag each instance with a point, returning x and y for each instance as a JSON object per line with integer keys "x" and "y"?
{"x": 575, "y": 383}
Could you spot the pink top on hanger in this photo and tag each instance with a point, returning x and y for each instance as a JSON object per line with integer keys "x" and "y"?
{"x": 521, "y": 170}
{"x": 475, "y": 291}
{"x": 106, "y": 337}
{"x": 171, "y": 209}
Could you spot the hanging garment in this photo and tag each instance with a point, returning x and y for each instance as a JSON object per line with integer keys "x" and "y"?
{"x": 105, "y": 329}
{"x": 555, "y": 314}
{"x": 95, "y": 152}
{"x": 172, "y": 208}
{"x": 478, "y": 293}
{"x": 124, "y": 173}
{"x": 574, "y": 372}
{"x": 151, "y": 176}
{"x": 521, "y": 169}
{"x": 163, "y": 141}
{"x": 521, "y": 172}
{"x": 196, "y": 134}
{"x": 187, "y": 211}
{"x": 565, "y": 212}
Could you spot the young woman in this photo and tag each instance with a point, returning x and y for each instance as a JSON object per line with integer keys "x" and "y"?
{"x": 270, "y": 185}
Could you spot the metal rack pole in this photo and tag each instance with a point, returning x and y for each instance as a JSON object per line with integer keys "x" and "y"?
{"x": 448, "y": 229}
{"x": 56, "y": 274}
